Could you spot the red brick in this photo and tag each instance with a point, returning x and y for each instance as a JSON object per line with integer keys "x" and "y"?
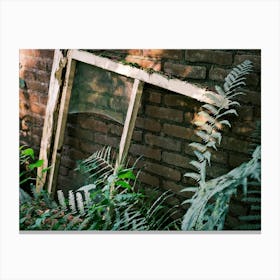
{"x": 155, "y": 97}
{"x": 89, "y": 147}
{"x": 164, "y": 113}
{"x": 76, "y": 154}
{"x": 148, "y": 152}
{"x": 37, "y": 86}
{"x": 137, "y": 135}
{"x": 115, "y": 129}
{"x": 253, "y": 58}
{"x": 252, "y": 80}
{"x": 218, "y": 74}
{"x": 149, "y": 179}
{"x": 236, "y": 159}
{"x": 37, "y": 52}
{"x": 148, "y": 124}
{"x": 175, "y": 187}
{"x": 175, "y": 159}
{"x": 188, "y": 116}
{"x": 93, "y": 125}
{"x": 145, "y": 63}
{"x": 72, "y": 141}
{"x": 209, "y": 56}
{"x": 244, "y": 128}
{"x": 235, "y": 144}
{"x": 178, "y": 131}
{"x": 245, "y": 113}
{"x": 80, "y": 133}
{"x": 216, "y": 170}
{"x": 252, "y": 97}
{"x": 36, "y": 63}
{"x": 106, "y": 140}
{"x": 176, "y": 100}
{"x": 159, "y": 53}
{"x": 163, "y": 171}
{"x": 35, "y": 75}
{"x": 37, "y": 108}
{"x": 185, "y": 71}
{"x": 163, "y": 142}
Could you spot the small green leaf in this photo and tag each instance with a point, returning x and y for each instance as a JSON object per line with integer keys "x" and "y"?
{"x": 28, "y": 152}
{"x": 124, "y": 184}
{"x": 37, "y": 164}
{"x": 126, "y": 174}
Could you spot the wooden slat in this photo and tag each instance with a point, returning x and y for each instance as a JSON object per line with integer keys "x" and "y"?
{"x": 131, "y": 116}
{"x": 61, "y": 123}
{"x": 50, "y": 116}
{"x": 156, "y": 79}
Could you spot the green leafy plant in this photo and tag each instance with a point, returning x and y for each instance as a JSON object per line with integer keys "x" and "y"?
{"x": 210, "y": 202}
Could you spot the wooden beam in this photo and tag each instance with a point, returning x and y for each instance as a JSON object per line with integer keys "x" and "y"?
{"x": 59, "y": 62}
{"x": 61, "y": 123}
{"x": 156, "y": 79}
{"x": 129, "y": 124}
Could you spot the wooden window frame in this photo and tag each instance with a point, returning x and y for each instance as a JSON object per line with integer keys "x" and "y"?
{"x": 59, "y": 98}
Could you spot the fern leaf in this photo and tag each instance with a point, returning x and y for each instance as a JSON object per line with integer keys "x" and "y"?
{"x": 207, "y": 156}
{"x": 206, "y": 127}
{"x": 189, "y": 189}
{"x": 208, "y": 118}
{"x": 225, "y": 122}
{"x": 193, "y": 175}
{"x": 232, "y": 103}
{"x": 80, "y": 203}
{"x": 72, "y": 203}
{"x": 199, "y": 155}
{"x": 196, "y": 164}
{"x": 61, "y": 199}
{"x": 211, "y": 109}
{"x": 201, "y": 148}
{"x": 230, "y": 111}
{"x": 204, "y": 136}
{"x": 211, "y": 144}
{"x": 217, "y": 135}
{"x": 220, "y": 91}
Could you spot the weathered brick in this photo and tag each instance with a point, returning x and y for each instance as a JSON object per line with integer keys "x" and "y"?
{"x": 188, "y": 116}
{"x": 175, "y": 159}
{"x": 155, "y": 97}
{"x": 159, "y": 53}
{"x": 145, "y": 63}
{"x": 234, "y": 144}
{"x": 178, "y": 131}
{"x": 235, "y": 159}
{"x": 252, "y": 80}
{"x": 106, "y": 140}
{"x": 137, "y": 135}
{"x": 216, "y": 170}
{"x": 34, "y": 75}
{"x": 176, "y": 100}
{"x": 36, "y": 63}
{"x": 163, "y": 142}
{"x": 252, "y": 97}
{"x": 89, "y": 147}
{"x": 115, "y": 129}
{"x": 37, "y": 86}
{"x": 245, "y": 113}
{"x": 244, "y": 128}
{"x": 175, "y": 187}
{"x": 148, "y": 152}
{"x": 93, "y": 125}
{"x": 148, "y": 124}
{"x": 163, "y": 171}
{"x": 164, "y": 113}
{"x": 76, "y": 154}
{"x": 185, "y": 71}
{"x": 218, "y": 74}
{"x": 72, "y": 141}
{"x": 209, "y": 56}
{"x": 37, "y": 108}
{"x": 148, "y": 179}
{"x": 239, "y": 58}
{"x": 37, "y": 52}
{"x": 80, "y": 133}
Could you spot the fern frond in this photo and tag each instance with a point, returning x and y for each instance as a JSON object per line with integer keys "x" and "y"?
{"x": 72, "y": 203}
{"x": 61, "y": 199}
{"x": 225, "y": 122}
{"x": 193, "y": 175}
{"x": 204, "y": 136}
{"x": 201, "y": 148}
{"x": 80, "y": 203}
{"x": 211, "y": 108}
{"x": 196, "y": 164}
{"x": 199, "y": 155}
{"x": 230, "y": 111}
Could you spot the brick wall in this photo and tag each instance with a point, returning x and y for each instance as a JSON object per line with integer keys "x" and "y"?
{"x": 164, "y": 125}
{"x": 34, "y": 73}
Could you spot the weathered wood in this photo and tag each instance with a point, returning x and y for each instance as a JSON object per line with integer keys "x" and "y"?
{"x": 156, "y": 79}
{"x": 50, "y": 116}
{"x": 131, "y": 116}
{"x": 61, "y": 123}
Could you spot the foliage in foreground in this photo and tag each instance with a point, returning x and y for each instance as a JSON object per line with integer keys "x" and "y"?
{"x": 109, "y": 202}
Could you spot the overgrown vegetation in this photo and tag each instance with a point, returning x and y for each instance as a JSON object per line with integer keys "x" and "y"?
{"x": 110, "y": 200}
